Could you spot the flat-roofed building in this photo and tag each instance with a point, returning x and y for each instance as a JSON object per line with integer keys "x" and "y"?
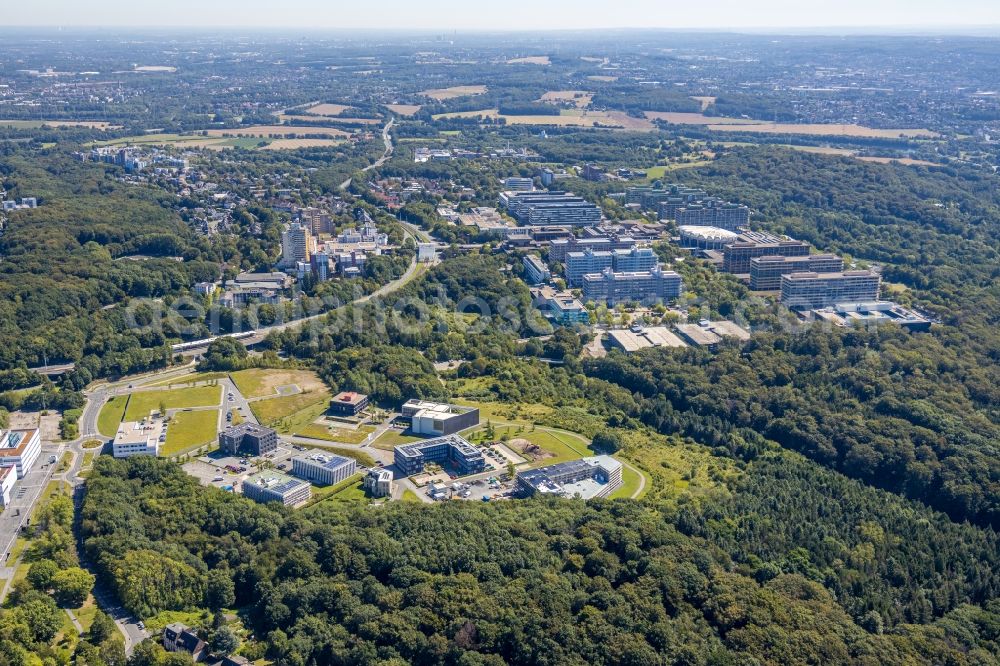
{"x": 634, "y": 259}
{"x": 323, "y": 468}
{"x": 139, "y": 438}
{"x": 436, "y": 419}
{"x": 579, "y": 264}
{"x": 560, "y": 247}
{"x": 713, "y": 213}
{"x": 766, "y": 272}
{"x": 630, "y": 341}
{"x": 348, "y": 403}
{"x": 270, "y": 486}
{"x": 653, "y": 286}
{"x": 21, "y": 449}
{"x": 8, "y": 476}
{"x": 515, "y": 184}
{"x": 535, "y": 270}
{"x": 736, "y": 256}
{"x": 698, "y": 336}
{"x": 596, "y": 476}
{"x": 378, "y": 482}
{"x": 820, "y": 290}
{"x": 562, "y": 307}
{"x": 550, "y": 208}
{"x": 873, "y": 314}
{"x": 248, "y": 438}
{"x": 451, "y": 450}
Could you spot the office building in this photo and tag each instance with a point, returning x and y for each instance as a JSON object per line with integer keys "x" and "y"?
{"x": 736, "y": 256}
{"x": 809, "y": 291}
{"x": 706, "y": 238}
{"x": 323, "y": 468}
{"x": 651, "y": 286}
{"x": 559, "y": 248}
{"x": 583, "y": 263}
{"x": 634, "y": 259}
{"x": 561, "y": 307}
{"x": 766, "y": 272}
{"x": 139, "y": 438}
{"x": 713, "y": 213}
{"x": 8, "y": 476}
{"x": 596, "y": 476}
{"x": 351, "y": 264}
{"x": 271, "y": 486}
{"x": 594, "y": 173}
{"x": 873, "y": 314}
{"x": 20, "y": 449}
{"x": 535, "y": 270}
{"x": 710, "y": 333}
{"x": 633, "y": 340}
{"x": 450, "y": 451}
{"x": 249, "y": 439}
{"x": 297, "y": 244}
{"x": 534, "y": 209}
{"x": 348, "y": 403}
{"x": 435, "y": 419}
{"x": 650, "y": 198}
{"x": 519, "y": 184}
{"x": 378, "y": 482}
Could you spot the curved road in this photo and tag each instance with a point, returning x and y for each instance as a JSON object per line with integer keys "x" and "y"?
{"x": 389, "y": 148}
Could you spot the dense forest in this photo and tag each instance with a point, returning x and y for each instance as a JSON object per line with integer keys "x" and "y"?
{"x": 533, "y": 582}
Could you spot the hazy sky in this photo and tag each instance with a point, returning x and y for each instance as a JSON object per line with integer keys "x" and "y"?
{"x": 504, "y": 14}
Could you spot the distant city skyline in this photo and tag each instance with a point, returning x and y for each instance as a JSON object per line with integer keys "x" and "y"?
{"x": 833, "y": 16}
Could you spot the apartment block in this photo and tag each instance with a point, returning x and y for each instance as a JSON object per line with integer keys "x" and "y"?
{"x": 766, "y": 272}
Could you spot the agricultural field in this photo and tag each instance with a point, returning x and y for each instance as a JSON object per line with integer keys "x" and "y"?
{"x": 37, "y": 124}
{"x": 603, "y": 78}
{"x": 568, "y": 118}
{"x": 719, "y": 124}
{"x": 327, "y": 109}
{"x": 189, "y": 430}
{"x": 581, "y": 98}
{"x": 278, "y": 132}
{"x": 293, "y": 144}
{"x": 265, "y": 383}
{"x": 530, "y": 60}
{"x": 141, "y": 403}
{"x": 442, "y": 94}
{"x": 404, "y": 109}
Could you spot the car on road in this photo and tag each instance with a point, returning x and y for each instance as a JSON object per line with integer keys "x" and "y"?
{"x": 141, "y": 625}
{"x": 218, "y": 478}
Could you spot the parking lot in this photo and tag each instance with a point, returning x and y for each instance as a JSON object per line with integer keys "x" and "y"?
{"x": 221, "y": 470}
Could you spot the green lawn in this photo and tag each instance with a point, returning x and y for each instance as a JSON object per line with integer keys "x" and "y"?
{"x": 410, "y": 496}
{"x": 188, "y": 380}
{"x": 334, "y": 434}
{"x": 349, "y": 490}
{"x": 144, "y": 402}
{"x": 264, "y": 382}
{"x": 562, "y": 446}
{"x": 291, "y": 413}
{"x": 85, "y": 614}
{"x": 189, "y": 430}
{"x": 390, "y": 439}
{"x": 630, "y": 484}
{"x": 111, "y": 415}
{"x": 93, "y": 444}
